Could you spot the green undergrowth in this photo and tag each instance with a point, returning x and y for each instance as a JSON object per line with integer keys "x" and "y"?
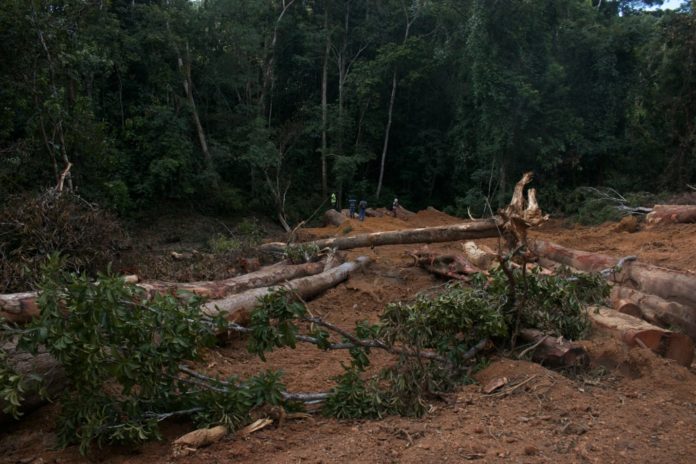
{"x": 125, "y": 355}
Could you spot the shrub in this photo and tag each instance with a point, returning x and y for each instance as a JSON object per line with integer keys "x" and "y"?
{"x": 33, "y": 227}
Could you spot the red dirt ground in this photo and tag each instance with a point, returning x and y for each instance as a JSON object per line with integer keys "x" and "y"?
{"x": 630, "y": 406}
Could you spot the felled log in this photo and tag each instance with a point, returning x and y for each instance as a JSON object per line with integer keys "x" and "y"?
{"x": 671, "y": 214}
{"x": 43, "y": 365}
{"x": 20, "y": 308}
{"x": 448, "y": 266}
{"x": 669, "y": 284}
{"x": 480, "y": 256}
{"x": 237, "y": 307}
{"x": 371, "y": 212}
{"x": 576, "y": 259}
{"x": 467, "y": 230}
{"x": 555, "y": 351}
{"x": 657, "y": 310}
{"x": 636, "y": 332}
{"x": 628, "y": 307}
{"x": 334, "y": 218}
{"x": 515, "y": 219}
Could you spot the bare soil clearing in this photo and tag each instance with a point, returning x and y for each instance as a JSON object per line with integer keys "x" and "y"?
{"x": 629, "y": 406}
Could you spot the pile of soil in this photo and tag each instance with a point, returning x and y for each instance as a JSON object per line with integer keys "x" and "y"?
{"x": 628, "y": 406}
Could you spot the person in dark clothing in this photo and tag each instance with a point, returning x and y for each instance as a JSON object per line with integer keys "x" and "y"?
{"x": 362, "y": 206}
{"x": 352, "y": 202}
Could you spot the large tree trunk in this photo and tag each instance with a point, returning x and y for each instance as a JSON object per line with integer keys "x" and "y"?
{"x": 237, "y": 307}
{"x": 334, "y": 218}
{"x": 43, "y": 365}
{"x": 636, "y": 332}
{"x": 468, "y": 230}
{"x": 671, "y": 214}
{"x": 670, "y": 284}
{"x": 657, "y": 310}
{"x": 20, "y": 308}
{"x": 555, "y": 351}
{"x": 576, "y": 259}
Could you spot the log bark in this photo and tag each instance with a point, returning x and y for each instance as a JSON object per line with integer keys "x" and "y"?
{"x": 480, "y": 256}
{"x": 371, "y": 212}
{"x": 669, "y": 284}
{"x": 657, "y": 310}
{"x": 20, "y": 308}
{"x": 334, "y": 218}
{"x": 467, "y": 230}
{"x": 237, "y": 307}
{"x": 448, "y": 266}
{"x": 43, "y": 365}
{"x": 555, "y": 351}
{"x": 636, "y": 332}
{"x": 671, "y": 214}
{"x": 576, "y": 259}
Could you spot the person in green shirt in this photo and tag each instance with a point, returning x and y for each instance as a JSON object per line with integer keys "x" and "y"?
{"x": 333, "y": 201}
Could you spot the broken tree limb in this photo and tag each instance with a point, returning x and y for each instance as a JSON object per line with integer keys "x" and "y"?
{"x": 555, "y": 351}
{"x": 20, "y": 308}
{"x": 521, "y": 214}
{"x": 657, "y": 310}
{"x": 334, "y": 218}
{"x": 467, "y": 230}
{"x": 237, "y": 307}
{"x": 636, "y": 332}
{"x": 671, "y": 214}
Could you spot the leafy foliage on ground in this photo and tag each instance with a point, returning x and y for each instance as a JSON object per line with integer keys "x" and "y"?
{"x": 124, "y": 354}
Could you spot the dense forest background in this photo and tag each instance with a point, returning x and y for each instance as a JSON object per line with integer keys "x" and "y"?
{"x": 232, "y": 106}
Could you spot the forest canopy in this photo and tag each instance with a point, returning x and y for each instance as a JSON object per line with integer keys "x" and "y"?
{"x": 271, "y": 105}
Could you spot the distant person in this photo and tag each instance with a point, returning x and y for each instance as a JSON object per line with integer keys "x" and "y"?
{"x": 352, "y": 202}
{"x": 333, "y": 201}
{"x": 362, "y": 206}
{"x": 395, "y": 204}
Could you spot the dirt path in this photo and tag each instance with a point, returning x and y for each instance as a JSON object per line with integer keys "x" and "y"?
{"x": 629, "y": 407}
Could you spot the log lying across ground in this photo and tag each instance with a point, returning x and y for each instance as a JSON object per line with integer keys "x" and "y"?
{"x": 555, "y": 351}
{"x": 334, "y": 218}
{"x": 237, "y": 307}
{"x": 669, "y": 284}
{"x": 636, "y": 332}
{"x": 656, "y": 310}
{"x": 467, "y": 230}
{"x": 671, "y": 214}
{"x": 20, "y": 308}
{"x": 42, "y": 365}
